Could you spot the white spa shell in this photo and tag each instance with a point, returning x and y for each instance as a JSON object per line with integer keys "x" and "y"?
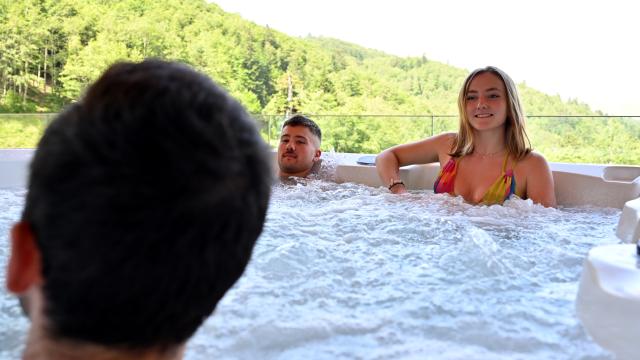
{"x": 608, "y": 301}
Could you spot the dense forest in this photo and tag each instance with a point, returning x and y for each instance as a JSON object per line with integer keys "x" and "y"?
{"x": 50, "y": 50}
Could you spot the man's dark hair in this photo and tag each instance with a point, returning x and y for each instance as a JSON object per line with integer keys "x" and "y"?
{"x": 145, "y": 199}
{"x": 299, "y": 120}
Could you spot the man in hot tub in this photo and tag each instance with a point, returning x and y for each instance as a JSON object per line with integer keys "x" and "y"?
{"x": 299, "y": 149}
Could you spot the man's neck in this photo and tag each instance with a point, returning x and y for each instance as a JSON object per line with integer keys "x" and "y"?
{"x": 301, "y": 174}
{"x": 42, "y": 348}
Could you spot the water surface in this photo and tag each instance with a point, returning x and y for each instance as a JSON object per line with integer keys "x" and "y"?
{"x": 353, "y": 272}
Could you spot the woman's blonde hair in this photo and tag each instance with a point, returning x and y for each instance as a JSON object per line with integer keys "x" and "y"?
{"x": 516, "y": 139}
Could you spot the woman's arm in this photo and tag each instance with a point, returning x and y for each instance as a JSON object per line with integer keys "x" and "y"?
{"x": 540, "y": 188}
{"x": 389, "y": 161}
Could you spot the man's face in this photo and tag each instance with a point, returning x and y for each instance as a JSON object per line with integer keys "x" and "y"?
{"x": 299, "y": 149}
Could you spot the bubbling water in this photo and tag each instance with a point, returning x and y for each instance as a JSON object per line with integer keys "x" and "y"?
{"x": 13, "y": 326}
{"x": 348, "y": 271}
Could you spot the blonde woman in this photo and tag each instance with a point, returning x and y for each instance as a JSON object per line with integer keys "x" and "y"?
{"x": 490, "y": 159}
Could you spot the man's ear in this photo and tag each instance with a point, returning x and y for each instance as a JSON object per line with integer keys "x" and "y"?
{"x": 25, "y": 266}
{"x": 316, "y": 156}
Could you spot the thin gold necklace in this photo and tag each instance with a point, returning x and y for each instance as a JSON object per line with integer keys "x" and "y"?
{"x": 486, "y": 155}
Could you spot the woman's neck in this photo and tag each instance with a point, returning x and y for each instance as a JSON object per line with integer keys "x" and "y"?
{"x": 489, "y": 143}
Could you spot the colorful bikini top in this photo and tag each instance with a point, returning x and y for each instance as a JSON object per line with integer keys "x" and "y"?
{"x": 500, "y": 191}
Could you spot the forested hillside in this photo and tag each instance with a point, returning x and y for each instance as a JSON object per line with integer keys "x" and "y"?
{"x": 50, "y": 50}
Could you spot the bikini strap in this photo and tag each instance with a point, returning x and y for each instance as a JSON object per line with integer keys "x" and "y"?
{"x": 504, "y": 163}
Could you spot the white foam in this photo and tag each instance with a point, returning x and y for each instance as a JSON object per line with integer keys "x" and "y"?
{"x": 349, "y": 271}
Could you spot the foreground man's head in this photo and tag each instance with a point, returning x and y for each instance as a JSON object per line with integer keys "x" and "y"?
{"x": 145, "y": 199}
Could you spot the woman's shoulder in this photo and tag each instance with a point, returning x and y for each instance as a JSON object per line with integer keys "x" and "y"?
{"x": 534, "y": 157}
{"x": 536, "y": 178}
{"x": 447, "y": 135}
{"x": 533, "y": 161}
{"x": 441, "y": 142}
{"x": 446, "y": 142}
{"x": 447, "y": 138}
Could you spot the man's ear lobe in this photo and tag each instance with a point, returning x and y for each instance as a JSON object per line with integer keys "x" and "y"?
{"x": 317, "y": 155}
{"x": 24, "y": 268}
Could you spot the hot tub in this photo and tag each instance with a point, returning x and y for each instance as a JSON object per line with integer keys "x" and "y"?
{"x": 346, "y": 270}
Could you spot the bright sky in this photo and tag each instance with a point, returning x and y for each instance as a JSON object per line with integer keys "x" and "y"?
{"x": 584, "y": 49}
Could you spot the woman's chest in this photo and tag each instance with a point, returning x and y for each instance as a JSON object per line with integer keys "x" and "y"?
{"x": 475, "y": 180}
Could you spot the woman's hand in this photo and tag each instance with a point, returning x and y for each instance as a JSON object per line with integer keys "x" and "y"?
{"x": 398, "y": 188}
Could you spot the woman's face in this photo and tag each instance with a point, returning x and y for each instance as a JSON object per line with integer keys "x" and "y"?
{"x": 486, "y": 102}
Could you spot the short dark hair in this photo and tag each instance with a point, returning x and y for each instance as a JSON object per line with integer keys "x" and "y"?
{"x": 300, "y": 120}
{"x": 145, "y": 198}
